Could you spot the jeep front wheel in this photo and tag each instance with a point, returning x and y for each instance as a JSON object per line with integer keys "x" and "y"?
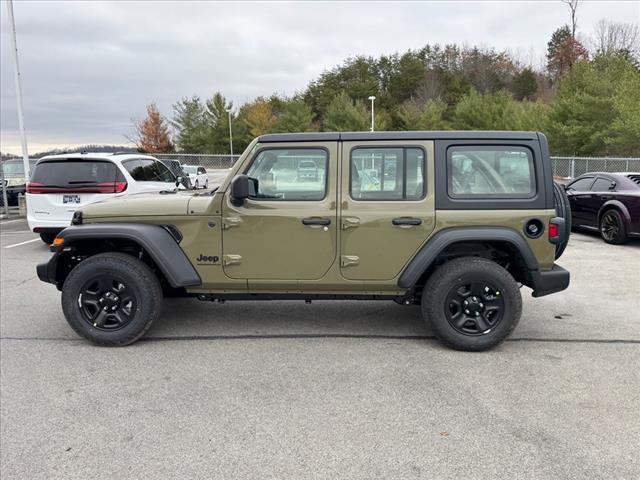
{"x": 111, "y": 299}
{"x": 471, "y": 303}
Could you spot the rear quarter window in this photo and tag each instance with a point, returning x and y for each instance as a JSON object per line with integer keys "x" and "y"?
{"x": 490, "y": 172}
{"x": 147, "y": 170}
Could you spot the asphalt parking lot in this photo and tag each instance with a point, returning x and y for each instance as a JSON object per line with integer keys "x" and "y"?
{"x": 327, "y": 390}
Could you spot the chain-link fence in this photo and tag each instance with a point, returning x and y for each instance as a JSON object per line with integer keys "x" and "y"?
{"x": 201, "y": 159}
{"x": 564, "y": 167}
{"x": 571, "y": 167}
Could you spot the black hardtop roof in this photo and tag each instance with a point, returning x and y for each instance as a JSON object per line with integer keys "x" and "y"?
{"x": 425, "y": 135}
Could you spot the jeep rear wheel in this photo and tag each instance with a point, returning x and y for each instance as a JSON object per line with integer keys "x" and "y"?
{"x": 111, "y": 299}
{"x": 471, "y": 303}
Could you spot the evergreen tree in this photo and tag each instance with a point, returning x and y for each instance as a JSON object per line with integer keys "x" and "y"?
{"x": 345, "y": 115}
{"x": 524, "y": 85}
{"x": 190, "y": 125}
{"x": 295, "y": 116}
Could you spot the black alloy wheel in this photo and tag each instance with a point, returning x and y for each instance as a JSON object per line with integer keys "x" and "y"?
{"x": 612, "y": 227}
{"x": 474, "y": 308}
{"x": 106, "y": 303}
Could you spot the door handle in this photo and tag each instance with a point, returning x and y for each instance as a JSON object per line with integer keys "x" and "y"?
{"x": 316, "y": 221}
{"x": 407, "y": 221}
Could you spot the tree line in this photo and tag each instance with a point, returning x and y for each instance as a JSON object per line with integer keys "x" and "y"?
{"x": 587, "y": 100}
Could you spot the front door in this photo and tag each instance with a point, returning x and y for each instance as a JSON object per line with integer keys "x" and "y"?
{"x": 387, "y": 207}
{"x": 287, "y": 231}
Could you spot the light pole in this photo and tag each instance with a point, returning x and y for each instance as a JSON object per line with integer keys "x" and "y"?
{"x": 230, "y": 134}
{"x": 23, "y": 135}
{"x": 373, "y": 99}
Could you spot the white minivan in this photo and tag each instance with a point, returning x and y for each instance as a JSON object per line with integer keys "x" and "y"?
{"x": 62, "y": 184}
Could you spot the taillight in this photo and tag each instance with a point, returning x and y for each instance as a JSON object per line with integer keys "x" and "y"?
{"x": 34, "y": 187}
{"x": 553, "y": 231}
{"x": 111, "y": 187}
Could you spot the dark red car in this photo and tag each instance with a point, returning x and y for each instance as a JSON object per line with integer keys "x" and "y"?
{"x": 607, "y": 202}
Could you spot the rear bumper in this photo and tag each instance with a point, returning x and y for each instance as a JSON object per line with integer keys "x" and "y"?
{"x": 551, "y": 281}
{"x": 39, "y": 225}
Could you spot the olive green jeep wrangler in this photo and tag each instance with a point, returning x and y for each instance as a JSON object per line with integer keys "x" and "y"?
{"x": 456, "y": 222}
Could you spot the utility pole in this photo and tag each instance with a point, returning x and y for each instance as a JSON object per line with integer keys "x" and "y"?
{"x": 23, "y": 134}
{"x": 373, "y": 99}
{"x": 230, "y": 134}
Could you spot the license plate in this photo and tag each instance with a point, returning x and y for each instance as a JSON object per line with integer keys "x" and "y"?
{"x": 71, "y": 199}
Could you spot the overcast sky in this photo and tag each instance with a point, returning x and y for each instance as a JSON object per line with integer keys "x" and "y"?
{"x": 89, "y": 67}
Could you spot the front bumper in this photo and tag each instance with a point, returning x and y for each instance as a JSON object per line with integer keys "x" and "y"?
{"x": 47, "y": 270}
{"x": 551, "y": 281}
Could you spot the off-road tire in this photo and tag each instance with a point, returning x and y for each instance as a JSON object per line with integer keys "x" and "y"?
{"x": 621, "y": 236}
{"x": 563, "y": 210}
{"x": 136, "y": 276}
{"x": 47, "y": 237}
{"x": 470, "y": 269}
{"x": 196, "y": 185}
{"x": 206, "y": 184}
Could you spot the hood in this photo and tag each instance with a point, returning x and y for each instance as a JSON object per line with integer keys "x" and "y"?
{"x": 140, "y": 205}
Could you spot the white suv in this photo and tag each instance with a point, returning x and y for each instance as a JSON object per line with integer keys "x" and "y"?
{"x": 197, "y": 175}
{"x": 62, "y": 184}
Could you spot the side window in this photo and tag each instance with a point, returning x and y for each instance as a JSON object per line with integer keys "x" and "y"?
{"x": 290, "y": 174}
{"x": 601, "y": 185}
{"x": 201, "y": 171}
{"x": 491, "y": 171}
{"x": 581, "y": 185}
{"x": 146, "y": 170}
{"x": 387, "y": 173}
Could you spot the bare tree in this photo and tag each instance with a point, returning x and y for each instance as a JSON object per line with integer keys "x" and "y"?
{"x": 573, "y": 7}
{"x": 616, "y": 37}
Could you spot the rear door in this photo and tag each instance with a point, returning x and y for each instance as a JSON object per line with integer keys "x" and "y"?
{"x": 59, "y": 187}
{"x": 601, "y": 191}
{"x": 287, "y": 232}
{"x": 387, "y": 207}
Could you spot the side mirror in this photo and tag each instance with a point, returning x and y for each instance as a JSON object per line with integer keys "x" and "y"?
{"x": 612, "y": 186}
{"x": 179, "y": 181}
{"x": 243, "y": 187}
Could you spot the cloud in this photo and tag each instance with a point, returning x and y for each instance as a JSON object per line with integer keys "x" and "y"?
{"x": 89, "y": 67}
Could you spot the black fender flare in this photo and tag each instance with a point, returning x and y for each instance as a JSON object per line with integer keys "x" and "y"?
{"x": 441, "y": 240}
{"x": 156, "y": 240}
{"x": 617, "y": 205}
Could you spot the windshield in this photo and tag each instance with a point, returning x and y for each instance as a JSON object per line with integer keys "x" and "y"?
{"x": 189, "y": 169}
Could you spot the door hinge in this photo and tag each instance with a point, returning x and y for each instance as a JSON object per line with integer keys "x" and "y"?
{"x": 229, "y": 222}
{"x": 350, "y": 222}
{"x": 349, "y": 260}
{"x": 231, "y": 260}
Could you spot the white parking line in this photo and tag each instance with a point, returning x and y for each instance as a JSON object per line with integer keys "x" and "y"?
{"x": 22, "y": 243}
{"x": 4, "y": 222}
